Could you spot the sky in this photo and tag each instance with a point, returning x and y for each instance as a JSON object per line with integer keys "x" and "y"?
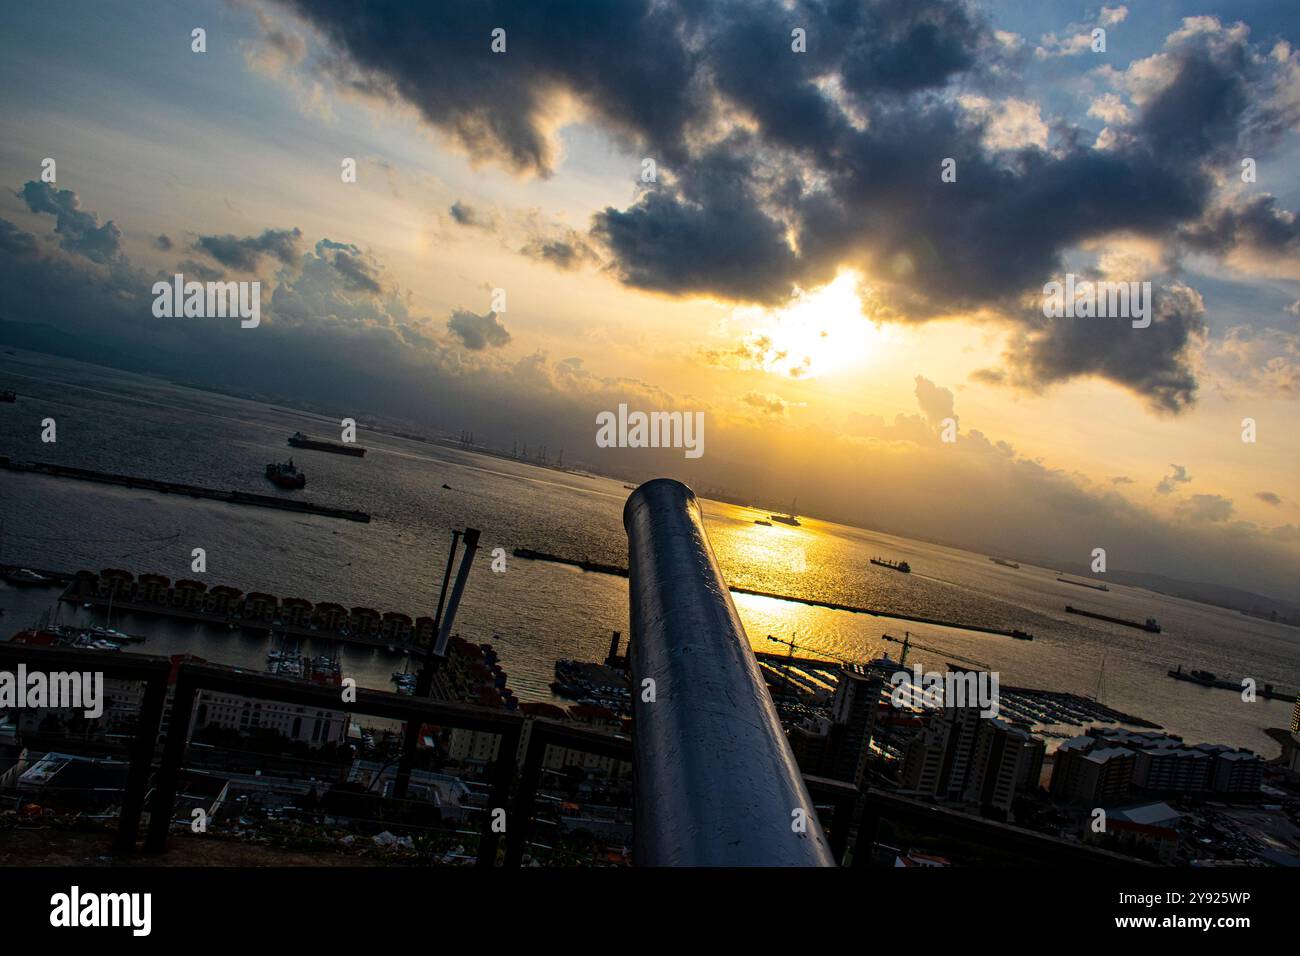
{"x": 798, "y": 267}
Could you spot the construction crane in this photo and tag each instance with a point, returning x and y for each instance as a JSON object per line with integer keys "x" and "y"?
{"x": 907, "y": 642}
{"x": 792, "y": 645}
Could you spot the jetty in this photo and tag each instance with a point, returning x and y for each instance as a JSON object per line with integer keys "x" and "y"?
{"x": 599, "y": 568}
{"x": 176, "y": 488}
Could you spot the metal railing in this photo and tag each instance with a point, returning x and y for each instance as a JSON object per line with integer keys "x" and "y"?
{"x": 716, "y": 782}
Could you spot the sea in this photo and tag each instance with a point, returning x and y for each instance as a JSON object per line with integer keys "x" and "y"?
{"x": 535, "y": 612}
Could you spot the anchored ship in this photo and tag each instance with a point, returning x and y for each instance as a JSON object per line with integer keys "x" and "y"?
{"x": 895, "y": 565}
{"x": 286, "y": 475}
{"x": 1085, "y": 584}
{"x": 299, "y": 440}
{"x": 1151, "y": 624}
{"x": 789, "y": 518}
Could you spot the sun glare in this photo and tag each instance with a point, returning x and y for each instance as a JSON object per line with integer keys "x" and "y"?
{"x": 819, "y": 332}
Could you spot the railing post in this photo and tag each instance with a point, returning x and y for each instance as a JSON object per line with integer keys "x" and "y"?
{"x": 137, "y": 780}
{"x": 164, "y": 788}
{"x": 530, "y": 776}
{"x": 716, "y": 783}
{"x": 503, "y": 774}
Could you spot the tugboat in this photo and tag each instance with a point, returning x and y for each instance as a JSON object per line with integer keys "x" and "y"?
{"x": 286, "y": 475}
{"x": 902, "y": 566}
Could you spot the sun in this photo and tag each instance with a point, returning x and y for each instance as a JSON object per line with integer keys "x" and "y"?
{"x": 817, "y": 333}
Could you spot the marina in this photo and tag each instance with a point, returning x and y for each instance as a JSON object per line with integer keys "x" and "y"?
{"x": 226, "y": 607}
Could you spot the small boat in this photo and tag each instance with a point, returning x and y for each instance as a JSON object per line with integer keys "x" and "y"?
{"x": 25, "y": 577}
{"x": 1004, "y": 562}
{"x": 285, "y": 475}
{"x": 766, "y": 524}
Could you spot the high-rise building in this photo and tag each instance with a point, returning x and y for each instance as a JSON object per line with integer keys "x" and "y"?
{"x": 1295, "y": 717}
{"x": 965, "y": 757}
{"x": 853, "y": 721}
{"x": 840, "y": 745}
{"x": 1007, "y": 761}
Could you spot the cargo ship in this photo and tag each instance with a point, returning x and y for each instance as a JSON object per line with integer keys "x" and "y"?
{"x": 286, "y": 475}
{"x": 299, "y": 440}
{"x": 788, "y": 517}
{"x": 1150, "y": 624}
{"x": 902, "y": 566}
{"x": 1085, "y": 584}
{"x": 1211, "y": 679}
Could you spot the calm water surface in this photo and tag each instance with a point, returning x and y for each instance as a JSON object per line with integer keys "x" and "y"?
{"x": 534, "y": 612}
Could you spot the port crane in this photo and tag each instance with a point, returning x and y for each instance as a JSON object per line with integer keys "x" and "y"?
{"x": 793, "y": 646}
{"x": 908, "y": 643}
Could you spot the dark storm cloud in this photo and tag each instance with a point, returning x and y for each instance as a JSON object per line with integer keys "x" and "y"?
{"x": 836, "y": 160}
{"x": 1258, "y": 224}
{"x": 478, "y": 332}
{"x": 625, "y": 57}
{"x": 79, "y": 231}
{"x": 1151, "y": 362}
{"x": 15, "y": 242}
{"x": 1269, "y": 497}
{"x": 245, "y": 253}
